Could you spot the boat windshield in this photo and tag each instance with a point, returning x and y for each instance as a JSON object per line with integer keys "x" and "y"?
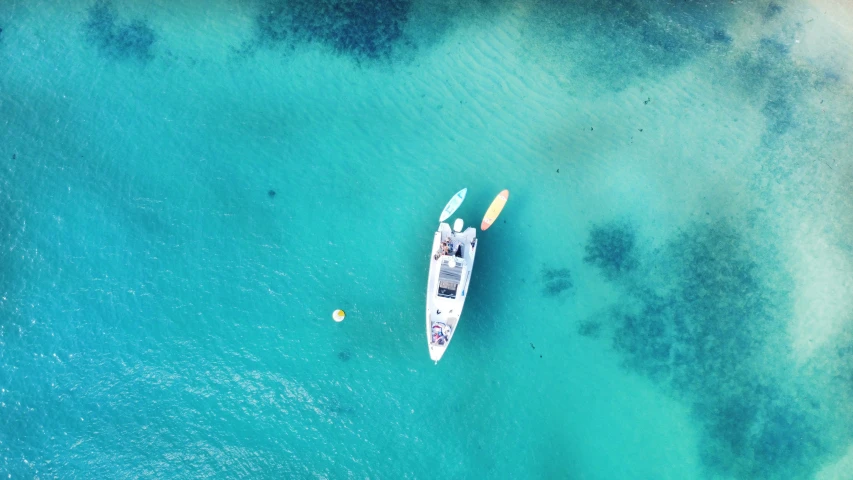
{"x": 447, "y": 289}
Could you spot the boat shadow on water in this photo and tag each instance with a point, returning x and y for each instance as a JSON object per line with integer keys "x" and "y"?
{"x": 499, "y": 277}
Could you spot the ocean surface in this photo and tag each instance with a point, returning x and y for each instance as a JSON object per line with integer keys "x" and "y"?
{"x": 189, "y": 189}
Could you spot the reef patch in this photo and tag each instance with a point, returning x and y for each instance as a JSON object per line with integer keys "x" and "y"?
{"x": 589, "y": 328}
{"x": 614, "y": 43}
{"x": 133, "y": 40}
{"x": 362, "y": 29}
{"x": 556, "y": 280}
{"x": 610, "y": 247}
{"x": 702, "y": 322}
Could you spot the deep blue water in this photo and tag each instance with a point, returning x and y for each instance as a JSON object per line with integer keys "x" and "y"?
{"x": 187, "y": 191}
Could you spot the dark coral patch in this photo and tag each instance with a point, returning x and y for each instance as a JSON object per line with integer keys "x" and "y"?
{"x": 697, "y": 325}
{"x": 557, "y": 281}
{"x": 760, "y": 432}
{"x": 344, "y": 355}
{"x": 773, "y": 47}
{"x": 589, "y": 328}
{"x": 721, "y": 36}
{"x": 768, "y": 75}
{"x": 118, "y": 40}
{"x": 762, "y": 65}
{"x": 364, "y": 29}
{"x": 610, "y": 247}
{"x": 615, "y": 42}
{"x": 773, "y": 10}
{"x": 779, "y": 112}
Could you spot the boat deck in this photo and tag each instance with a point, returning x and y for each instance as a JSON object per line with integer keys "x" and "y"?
{"x": 450, "y": 270}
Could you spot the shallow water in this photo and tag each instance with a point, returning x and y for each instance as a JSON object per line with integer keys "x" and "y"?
{"x": 666, "y": 295}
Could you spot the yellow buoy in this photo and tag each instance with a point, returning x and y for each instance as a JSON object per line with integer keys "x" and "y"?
{"x": 339, "y": 315}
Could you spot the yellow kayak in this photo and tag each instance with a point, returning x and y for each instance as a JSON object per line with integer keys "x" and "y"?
{"x": 494, "y": 210}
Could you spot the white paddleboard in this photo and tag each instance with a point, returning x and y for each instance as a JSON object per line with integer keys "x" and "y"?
{"x": 453, "y": 204}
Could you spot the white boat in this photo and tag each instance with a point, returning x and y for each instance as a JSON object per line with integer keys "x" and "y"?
{"x": 451, "y": 261}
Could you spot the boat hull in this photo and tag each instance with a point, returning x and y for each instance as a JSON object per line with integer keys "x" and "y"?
{"x": 447, "y": 286}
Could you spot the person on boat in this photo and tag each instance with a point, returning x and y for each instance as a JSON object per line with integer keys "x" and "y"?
{"x": 437, "y": 333}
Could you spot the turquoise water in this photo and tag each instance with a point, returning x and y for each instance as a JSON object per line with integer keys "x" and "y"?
{"x": 666, "y": 295}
